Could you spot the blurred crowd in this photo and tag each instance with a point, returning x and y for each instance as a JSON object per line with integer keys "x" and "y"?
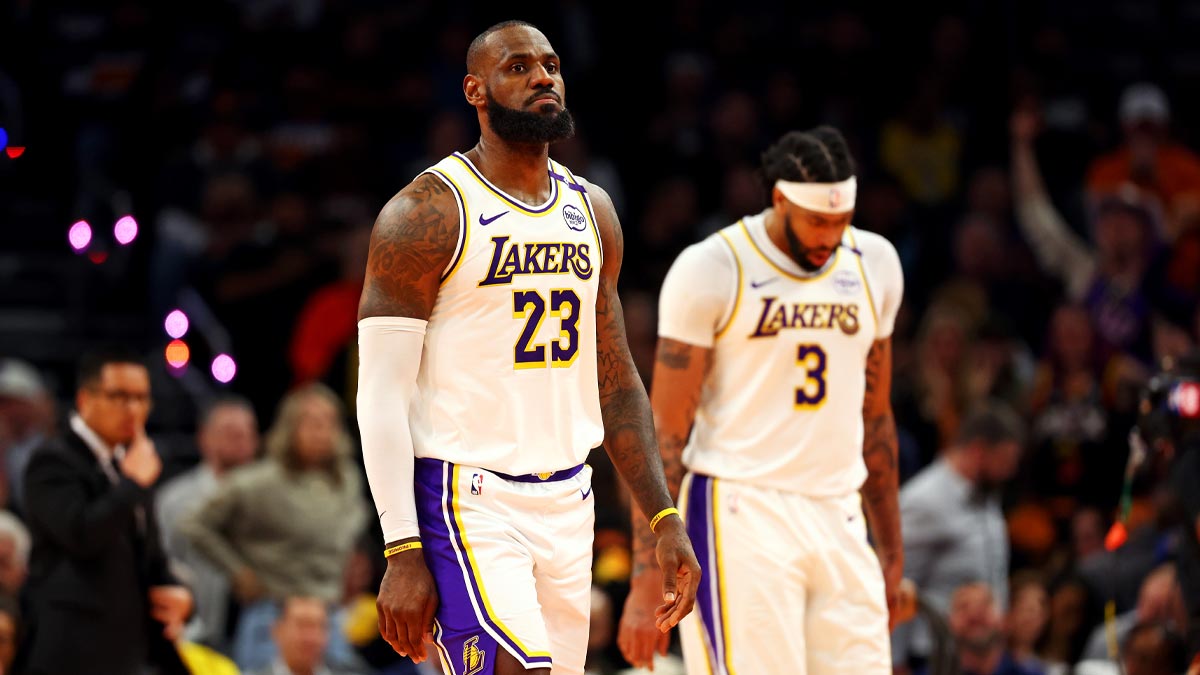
{"x": 1035, "y": 179}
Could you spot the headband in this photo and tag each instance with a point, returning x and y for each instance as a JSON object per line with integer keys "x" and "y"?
{"x": 821, "y": 197}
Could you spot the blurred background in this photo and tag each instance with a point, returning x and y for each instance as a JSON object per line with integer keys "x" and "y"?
{"x": 199, "y": 180}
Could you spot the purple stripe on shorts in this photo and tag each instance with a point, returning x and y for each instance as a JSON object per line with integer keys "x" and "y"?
{"x": 699, "y": 519}
{"x": 455, "y": 581}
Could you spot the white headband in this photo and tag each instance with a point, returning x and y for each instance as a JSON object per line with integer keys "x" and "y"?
{"x": 821, "y": 197}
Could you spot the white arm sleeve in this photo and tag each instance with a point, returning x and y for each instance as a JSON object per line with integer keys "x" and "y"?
{"x": 881, "y": 264}
{"x": 698, "y": 293}
{"x": 389, "y": 356}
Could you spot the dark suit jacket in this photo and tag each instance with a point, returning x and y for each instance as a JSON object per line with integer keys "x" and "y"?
{"x": 91, "y": 569}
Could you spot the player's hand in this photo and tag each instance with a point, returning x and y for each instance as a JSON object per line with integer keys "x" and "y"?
{"x": 680, "y": 570}
{"x": 407, "y": 602}
{"x": 906, "y": 603}
{"x": 141, "y": 463}
{"x": 638, "y": 636}
{"x": 893, "y": 574}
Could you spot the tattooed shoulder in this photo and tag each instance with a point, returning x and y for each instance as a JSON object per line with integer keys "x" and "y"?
{"x": 414, "y": 239}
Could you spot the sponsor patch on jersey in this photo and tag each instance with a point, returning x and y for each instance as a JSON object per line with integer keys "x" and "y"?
{"x": 846, "y": 282}
{"x": 574, "y": 218}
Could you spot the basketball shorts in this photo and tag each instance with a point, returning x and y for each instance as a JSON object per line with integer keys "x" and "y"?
{"x": 790, "y": 584}
{"x": 512, "y": 560}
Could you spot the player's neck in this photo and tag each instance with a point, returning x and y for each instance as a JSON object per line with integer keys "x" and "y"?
{"x": 518, "y": 169}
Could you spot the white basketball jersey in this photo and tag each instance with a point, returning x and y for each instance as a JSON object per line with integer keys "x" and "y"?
{"x": 782, "y": 404}
{"x": 508, "y": 374}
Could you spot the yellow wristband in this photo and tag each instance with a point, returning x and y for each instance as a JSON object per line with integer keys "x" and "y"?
{"x": 663, "y": 514}
{"x": 400, "y": 548}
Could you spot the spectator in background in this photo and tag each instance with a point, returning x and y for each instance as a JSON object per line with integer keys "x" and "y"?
{"x": 98, "y": 580}
{"x": 325, "y": 338}
{"x": 14, "y": 555}
{"x": 933, "y": 394}
{"x": 976, "y": 622}
{"x": 1028, "y": 613}
{"x": 286, "y": 524}
{"x": 1067, "y": 405}
{"x": 1073, "y": 613}
{"x": 27, "y": 420}
{"x": 300, "y": 636}
{"x": 1153, "y": 649}
{"x": 954, "y": 530}
{"x": 227, "y": 436}
{"x": 1149, "y": 158}
{"x": 1107, "y": 279}
{"x": 921, "y": 149}
{"x": 1160, "y": 601}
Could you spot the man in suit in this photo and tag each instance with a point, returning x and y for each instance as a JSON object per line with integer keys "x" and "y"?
{"x": 101, "y": 596}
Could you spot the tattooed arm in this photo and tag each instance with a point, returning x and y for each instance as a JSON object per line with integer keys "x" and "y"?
{"x": 880, "y": 448}
{"x": 629, "y": 427}
{"x": 679, "y": 372}
{"x": 413, "y": 241}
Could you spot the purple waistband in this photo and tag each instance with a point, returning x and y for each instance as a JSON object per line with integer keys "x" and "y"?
{"x": 547, "y": 477}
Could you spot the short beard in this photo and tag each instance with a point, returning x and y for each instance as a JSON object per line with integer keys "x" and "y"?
{"x": 799, "y": 251}
{"x": 520, "y": 126}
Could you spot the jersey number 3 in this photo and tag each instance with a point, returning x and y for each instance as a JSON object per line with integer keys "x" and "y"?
{"x": 810, "y": 395}
{"x": 531, "y": 306}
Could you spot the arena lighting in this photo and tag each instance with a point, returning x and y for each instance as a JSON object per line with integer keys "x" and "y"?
{"x": 3, "y": 138}
{"x": 176, "y": 324}
{"x": 80, "y": 235}
{"x": 178, "y": 353}
{"x": 223, "y": 368}
{"x": 125, "y": 230}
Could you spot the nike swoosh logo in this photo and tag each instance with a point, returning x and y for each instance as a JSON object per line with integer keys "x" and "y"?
{"x": 488, "y": 221}
{"x": 586, "y": 493}
{"x": 757, "y": 284}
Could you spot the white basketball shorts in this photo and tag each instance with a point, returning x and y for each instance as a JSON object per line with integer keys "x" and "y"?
{"x": 512, "y": 560}
{"x": 790, "y": 584}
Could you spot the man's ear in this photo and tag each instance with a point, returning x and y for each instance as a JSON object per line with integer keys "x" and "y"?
{"x": 474, "y": 91}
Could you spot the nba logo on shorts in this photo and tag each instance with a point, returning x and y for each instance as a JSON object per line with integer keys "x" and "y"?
{"x": 476, "y": 483}
{"x": 473, "y": 656}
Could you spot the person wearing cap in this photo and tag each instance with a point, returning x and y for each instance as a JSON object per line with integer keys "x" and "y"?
{"x": 1148, "y": 158}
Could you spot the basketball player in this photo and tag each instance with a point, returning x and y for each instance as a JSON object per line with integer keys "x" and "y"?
{"x": 492, "y": 359}
{"x": 771, "y": 389}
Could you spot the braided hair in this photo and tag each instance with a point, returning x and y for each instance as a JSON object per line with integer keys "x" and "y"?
{"x": 818, "y": 155}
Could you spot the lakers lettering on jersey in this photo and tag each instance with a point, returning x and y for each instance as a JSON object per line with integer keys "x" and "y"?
{"x": 782, "y": 404}
{"x": 508, "y": 373}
